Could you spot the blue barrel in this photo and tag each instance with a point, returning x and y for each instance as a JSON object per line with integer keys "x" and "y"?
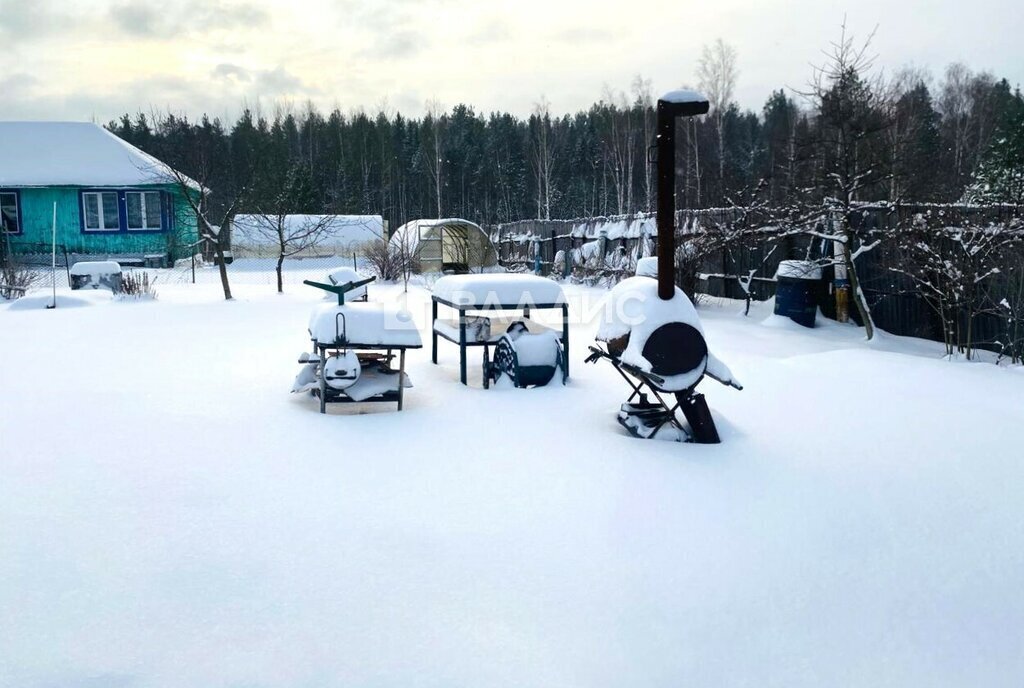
{"x": 796, "y": 292}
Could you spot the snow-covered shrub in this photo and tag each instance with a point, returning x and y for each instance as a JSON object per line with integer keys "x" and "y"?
{"x": 954, "y": 268}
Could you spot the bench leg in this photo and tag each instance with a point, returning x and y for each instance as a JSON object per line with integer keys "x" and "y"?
{"x": 462, "y": 346}
{"x": 433, "y": 332}
{"x": 401, "y": 378}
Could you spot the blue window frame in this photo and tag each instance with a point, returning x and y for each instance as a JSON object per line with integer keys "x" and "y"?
{"x": 104, "y": 211}
{"x": 10, "y": 211}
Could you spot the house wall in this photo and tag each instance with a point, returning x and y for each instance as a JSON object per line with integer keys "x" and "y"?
{"x": 36, "y": 208}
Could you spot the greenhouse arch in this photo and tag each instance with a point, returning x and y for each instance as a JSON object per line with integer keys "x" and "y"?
{"x": 446, "y": 245}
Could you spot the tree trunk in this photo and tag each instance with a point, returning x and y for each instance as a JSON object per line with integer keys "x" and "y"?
{"x": 219, "y": 251}
{"x": 855, "y": 290}
{"x": 280, "y": 281}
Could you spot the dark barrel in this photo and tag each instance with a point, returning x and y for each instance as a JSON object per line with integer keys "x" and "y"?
{"x": 796, "y": 293}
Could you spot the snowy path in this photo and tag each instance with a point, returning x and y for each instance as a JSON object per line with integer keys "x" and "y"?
{"x": 171, "y": 516}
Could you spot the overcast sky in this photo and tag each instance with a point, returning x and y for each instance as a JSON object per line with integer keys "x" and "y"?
{"x": 95, "y": 59}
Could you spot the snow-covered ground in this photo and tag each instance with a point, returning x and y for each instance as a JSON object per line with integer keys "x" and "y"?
{"x": 171, "y": 516}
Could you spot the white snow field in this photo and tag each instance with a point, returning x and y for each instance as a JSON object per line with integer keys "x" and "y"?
{"x": 171, "y": 516}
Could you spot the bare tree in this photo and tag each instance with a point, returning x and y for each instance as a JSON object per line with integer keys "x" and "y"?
{"x": 620, "y": 143}
{"x": 542, "y": 155}
{"x": 643, "y": 101}
{"x": 433, "y": 147}
{"x": 290, "y": 234}
{"x": 952, "y": 267}
{"x": 214, "y": 227}
{"x": 716, "y": 79}
{"x": 849, "y": 124}
{"x": 955, "y": 103}
{"x": 907, "y": 116}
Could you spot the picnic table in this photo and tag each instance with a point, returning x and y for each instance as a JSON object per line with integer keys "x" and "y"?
{"x": 515, "y": 296}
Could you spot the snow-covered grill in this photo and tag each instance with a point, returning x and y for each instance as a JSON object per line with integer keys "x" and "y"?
{"x": 651, "y": 332}
{"x": 354, "y": 348}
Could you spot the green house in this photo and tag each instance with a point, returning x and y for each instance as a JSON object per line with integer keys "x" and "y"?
{"x": 109, "y": 199}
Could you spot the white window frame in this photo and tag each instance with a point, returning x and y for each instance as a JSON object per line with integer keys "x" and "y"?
{"x": 142, "y": 205}
{"x": 100, "y": 214}
{"x": 17, "y": 213}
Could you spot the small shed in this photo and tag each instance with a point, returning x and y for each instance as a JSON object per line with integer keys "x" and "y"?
{"x": 446, "y": 245}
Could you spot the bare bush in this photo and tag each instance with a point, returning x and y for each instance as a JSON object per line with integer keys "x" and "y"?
{"x": 137, "y": 286}
{"x": 385, "y": 260}
{"x": 16, "y": 279}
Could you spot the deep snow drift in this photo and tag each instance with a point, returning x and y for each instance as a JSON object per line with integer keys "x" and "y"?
{"x": 171, "y": 516}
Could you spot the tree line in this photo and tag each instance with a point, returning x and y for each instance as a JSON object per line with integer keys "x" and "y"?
{"x": 909, "y": 137}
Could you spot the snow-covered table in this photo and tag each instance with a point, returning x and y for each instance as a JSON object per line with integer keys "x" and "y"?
{"x": 511, "y": 293}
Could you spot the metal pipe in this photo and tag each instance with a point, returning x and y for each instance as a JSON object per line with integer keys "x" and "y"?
{"x": 670, "y": 106}
{"x": 666, "y": 172}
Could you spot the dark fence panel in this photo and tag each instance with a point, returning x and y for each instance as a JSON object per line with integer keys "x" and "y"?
{"x": 616, "y": 242}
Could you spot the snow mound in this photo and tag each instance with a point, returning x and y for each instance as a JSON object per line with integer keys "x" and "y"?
{"x": 633, "y": 308}
{"x": 43, "y": 301}
{"x": 95, "y": 269}
{"x": 799, "y": 269}
{"x": 372, "y": 324}
{"x": 539, "y": 349}
{"x": 344, "y": 276}
{"x": 498, "y": 289}
{"x": 647, "y": 267}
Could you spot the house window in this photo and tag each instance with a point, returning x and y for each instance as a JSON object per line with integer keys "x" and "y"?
{"x": 99, "y": 209}
{"x": 10, "y": 212}
{"x": 144, "y": 210}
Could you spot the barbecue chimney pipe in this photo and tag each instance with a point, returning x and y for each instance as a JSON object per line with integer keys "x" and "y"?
{"x": 682, "y": 103}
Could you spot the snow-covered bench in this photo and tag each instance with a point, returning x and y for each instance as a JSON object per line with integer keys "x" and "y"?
{"x": 96, "y": 274}
{"x": 508, "y": 293}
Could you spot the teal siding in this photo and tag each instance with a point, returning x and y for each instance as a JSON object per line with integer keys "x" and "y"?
{"x": 37, "y": 218}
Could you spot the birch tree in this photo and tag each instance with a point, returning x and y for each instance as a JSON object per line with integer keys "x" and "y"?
{"x": 716, "y": 80}
{"x": 542, "y": 155}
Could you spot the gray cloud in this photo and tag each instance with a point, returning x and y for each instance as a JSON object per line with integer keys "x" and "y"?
{"x": 17, "y": 85}
{"x": 22, "y": 21}
{"x": 279, "y": 81}
{"x": 265, "y": 82}
{"x": 151, "y": 19}
{"x": 401, "y": 45}
{"x": 233, "y": 72}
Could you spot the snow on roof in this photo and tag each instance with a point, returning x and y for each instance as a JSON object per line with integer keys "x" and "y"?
{"x": 73, "y": 154}
{"x": 494, "y": 289}
{"x": 260, "y": 230}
